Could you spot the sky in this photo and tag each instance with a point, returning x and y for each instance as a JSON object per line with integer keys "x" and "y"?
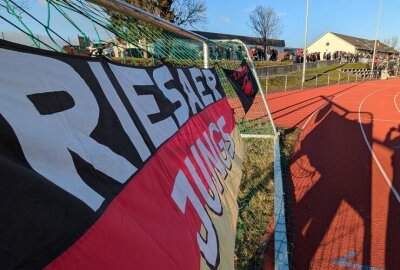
{"x": 350, "y": 17}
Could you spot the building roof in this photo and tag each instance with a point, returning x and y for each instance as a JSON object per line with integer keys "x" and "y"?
{"x": 245, "y": 39}
{"x": 366, "y": 44}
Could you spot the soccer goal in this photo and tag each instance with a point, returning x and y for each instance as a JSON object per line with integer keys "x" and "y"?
{"x": 130, "y": 36}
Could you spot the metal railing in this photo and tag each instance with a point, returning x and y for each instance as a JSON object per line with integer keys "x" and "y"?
{"x": 276, "y": 70}
{"x": 277, "y": 83}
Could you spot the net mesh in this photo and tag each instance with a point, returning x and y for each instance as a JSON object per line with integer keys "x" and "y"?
{"x": 83, "y": 28}
{"x": 127, "y": 40}
{"x": 229, "y": 55}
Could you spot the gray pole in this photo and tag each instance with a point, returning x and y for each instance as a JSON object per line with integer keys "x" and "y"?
{"x": 376, "y": 37}
{"x": 305, "y": 48}
{"x": 285, "y": 82}
{"x": 206, "y": 55}
{"x": 133, "y": 11}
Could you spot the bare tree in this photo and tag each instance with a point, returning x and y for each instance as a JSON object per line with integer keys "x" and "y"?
{"x": 189, "y": 13}
{"x": 264, "y": 21}
{"x": 392, "y": 42}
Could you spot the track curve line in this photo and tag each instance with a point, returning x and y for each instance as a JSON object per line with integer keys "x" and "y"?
{"x": 385, "y": 176}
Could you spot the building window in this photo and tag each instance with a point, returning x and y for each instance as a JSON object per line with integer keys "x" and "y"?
{"x": 327, "y": 44}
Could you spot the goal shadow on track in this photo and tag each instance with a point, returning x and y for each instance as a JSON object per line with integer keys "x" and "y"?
{"x": 291, "y": 111}
{"x": 331, "y": 180}
{"x": 392, "y": 247}
{"x": 330, "y": 183}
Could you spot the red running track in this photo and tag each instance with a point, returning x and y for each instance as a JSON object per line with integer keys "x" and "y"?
{"x": 345, "y": 174}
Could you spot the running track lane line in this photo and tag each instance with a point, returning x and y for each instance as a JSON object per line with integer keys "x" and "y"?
{"x": 370, "y": 147}
{"x": 394, "y": 100}
{"x": 326, "y": 102}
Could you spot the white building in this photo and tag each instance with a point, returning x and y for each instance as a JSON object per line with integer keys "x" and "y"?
{"x": 333, "y": 42}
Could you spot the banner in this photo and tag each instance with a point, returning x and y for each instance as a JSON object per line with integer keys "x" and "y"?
{"x": 244, "y": 83}
{"x": 106, "y": 166}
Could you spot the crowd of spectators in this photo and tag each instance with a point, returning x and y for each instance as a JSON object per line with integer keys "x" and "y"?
{"x": 219, "y": 52}
{"x": 343, "y": 56}
{"x": 259, "y": 54}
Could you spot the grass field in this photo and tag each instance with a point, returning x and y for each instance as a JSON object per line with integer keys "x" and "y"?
{"x": 260, "y": 64}
{"x": 315, "y": 77}
{"x": 256, "y": 198}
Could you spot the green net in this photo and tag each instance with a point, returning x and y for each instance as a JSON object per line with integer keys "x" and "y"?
{"x": 83, "y": 28}
{"x": 256, "y": 205}
{"x": 129, "y": 40}
{"x": 228, "y": 54}
{"x": 116, "y": 36}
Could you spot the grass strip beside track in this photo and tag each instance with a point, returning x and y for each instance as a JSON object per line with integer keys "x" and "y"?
{"x": 256, "y": 199}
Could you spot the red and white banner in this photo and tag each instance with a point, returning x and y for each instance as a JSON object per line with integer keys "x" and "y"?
{"x": 106, "y": 166}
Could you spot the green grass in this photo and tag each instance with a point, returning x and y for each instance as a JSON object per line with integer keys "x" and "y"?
{"x": 315, "y": 77}
{"x": 198, "y": 62}
{"x": 261, "y": 64}
{"x": 256, "y": 199}
{"x": 255, "y": 202}
{"x": 255, "y": 126}
{"x": 326, "y": 69}
{"x": 356, "y": 65}
{"x": 275, "y": 83}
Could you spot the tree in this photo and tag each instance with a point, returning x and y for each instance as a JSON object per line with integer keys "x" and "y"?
{"x": 265, "y": 23}
{"x": 392, "y": 42}
{"x": 189, "y": 13}
{"x": 160, "y": 8}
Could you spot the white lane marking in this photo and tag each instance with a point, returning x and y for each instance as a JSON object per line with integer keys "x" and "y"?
{"x": 382, "y": 120}
{"x": 309, "y": 118}
{"x": 394, "y": 100}
{"x": 398, "y": 109}
{"x": 344, "y": 261}
{"x": 396, "y": 194}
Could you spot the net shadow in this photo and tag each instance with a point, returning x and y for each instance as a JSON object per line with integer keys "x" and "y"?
{"x": 331, "y": 184}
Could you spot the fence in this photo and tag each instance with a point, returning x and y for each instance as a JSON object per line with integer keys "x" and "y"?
{"x": 279, "y": 83}
{"x": 115, "y": 26}
{"x": 276, "y": 70}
